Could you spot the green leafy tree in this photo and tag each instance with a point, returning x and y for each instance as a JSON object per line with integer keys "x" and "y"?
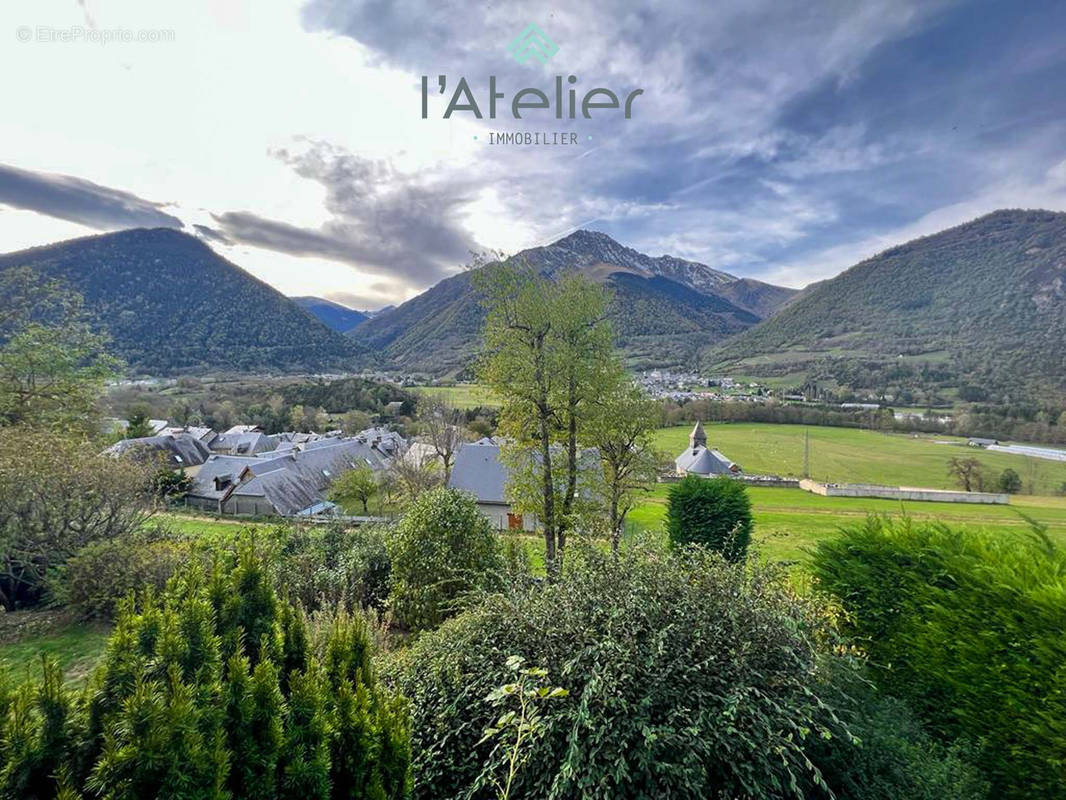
{"x": 442, "y": 550}
{"x": 57, "y": 495}
{"x": 621, "y": 430}
{"x": 712, "y": 512}
{"x": 52, "y": 364}
{"x": 355, "y": 486}
{"x": 547, "y": 355}
{"x": 1010, "y": 481}
{"x": 139, "y": 425}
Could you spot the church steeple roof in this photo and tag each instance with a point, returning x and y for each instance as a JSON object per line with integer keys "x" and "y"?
{"x": 697, "y": 438}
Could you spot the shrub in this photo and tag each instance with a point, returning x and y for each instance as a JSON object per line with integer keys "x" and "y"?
{"x": 216, "y": 689}
{"x": 1010, "y": 481}
{"x": 893, "y": 757}
{"x": 714, "y": 513}
{"x": 688, "y": 677}
{"x": 442, "y": 550}
{"x": 967, "y": 628}
{"x": 326, "y": 566}
{"x": 102, "y": 573}
{"x": 56, "y": 496}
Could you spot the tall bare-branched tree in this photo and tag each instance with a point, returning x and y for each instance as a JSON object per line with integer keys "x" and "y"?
{"x": 443, "y": 425}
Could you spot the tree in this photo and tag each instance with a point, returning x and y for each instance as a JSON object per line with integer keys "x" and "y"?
{"x": 354, "y": 421}
{"x": 58, "y": 495}
{"x": 358, "y": 485}
{"x": 139, "y": 425}
{"x": 621, "y": 430}
{"x": 177, "y": 709}
{"x": 170, "y": 484}
{"x": 411, "y": 478}
{"x": 442, "y": 550}
{"x": 967, "y": 472}
{"x": 1010, "y": 481}
{"x": 547, "y": 355}
{"x": 712, "y": 512}
{"x": 52, "y": 364}
{"x": 444, "y": 427}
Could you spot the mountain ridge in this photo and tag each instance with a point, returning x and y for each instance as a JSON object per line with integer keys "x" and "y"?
{"x": 981, "y": 305}
{"x": 664, "y": 308}
{"x": 170, "y": 303}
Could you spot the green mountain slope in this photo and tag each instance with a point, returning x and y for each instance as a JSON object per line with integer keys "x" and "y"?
{"x": 665, "y": 310}
{"x": 981, "y": 305}
{"x": 170, "y": 304}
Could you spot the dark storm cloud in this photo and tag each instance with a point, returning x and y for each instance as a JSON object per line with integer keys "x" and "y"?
{"x": 79, "y": 200}
{"x": 770, "y": 131}
{"x": 383, "y": 222}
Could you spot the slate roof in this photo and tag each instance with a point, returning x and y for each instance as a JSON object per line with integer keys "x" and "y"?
{"x": 478, "y": 470}
{"x": 181, "y": 450}
{"x": 704, "y": 461}
{"x": 294, "y": 480}
{"x": 246, "y": 443}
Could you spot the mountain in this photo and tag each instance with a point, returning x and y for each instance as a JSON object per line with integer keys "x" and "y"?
{"x": 170, "y": 303}
{"x": 332, "y": 315}
{"x": 979, "y": 309}
{"x": 664, "y": 309}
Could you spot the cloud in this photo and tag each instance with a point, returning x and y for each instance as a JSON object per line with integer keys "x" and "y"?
{"x": 383, "y": 221}
{"x": 78, "y": 200}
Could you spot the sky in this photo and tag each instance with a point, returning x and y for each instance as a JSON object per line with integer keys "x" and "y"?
{"x": 779, "y": 140}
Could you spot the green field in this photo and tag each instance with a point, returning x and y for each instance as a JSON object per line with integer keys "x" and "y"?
{"x": 26, "y": 636}
{"x": 463, "y": 395}
{"x": 789, "y": 522}
{"x": 849, "y": 455}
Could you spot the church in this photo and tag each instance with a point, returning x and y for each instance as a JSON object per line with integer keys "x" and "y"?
{"x": 699, "y": 460}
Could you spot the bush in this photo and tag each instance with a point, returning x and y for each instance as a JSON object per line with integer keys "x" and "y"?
{"x": 688, "y": 677}
{"x": 1010, "y": 481}
{"x": 442, "y": 550}
{"x": 893, "y": 757}
{"x": 967, "y": 627}
{"x": 58, "y": 495}
{"x": 217, "y": 689}
{"x": 102, "y": 573}
{"x": 327, "y": 566}
{"x": 714, "y": 513}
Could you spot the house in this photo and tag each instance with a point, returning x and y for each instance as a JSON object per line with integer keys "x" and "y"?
{"x": 699, "y": 460}
{"x": 479, "y": 471}
{"x": 236, "y": 442}
{"x": 177, "y": 451}
{"x": 200, "y": 432}
{"x": 293, "y": 481}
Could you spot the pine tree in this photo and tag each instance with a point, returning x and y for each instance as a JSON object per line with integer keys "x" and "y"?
{"x": 306, "y": 767}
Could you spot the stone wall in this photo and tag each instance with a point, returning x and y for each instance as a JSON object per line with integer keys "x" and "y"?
{"x": 901, "y": 493}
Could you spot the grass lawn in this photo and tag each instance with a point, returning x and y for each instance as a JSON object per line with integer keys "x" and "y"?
{"x": 26, "y": 636}
{"x": 788, "y": 522}
{"x": 463, "y": 395}
{"x": 848, "y": 455}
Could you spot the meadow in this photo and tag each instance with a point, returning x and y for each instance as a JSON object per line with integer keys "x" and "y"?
{"x": 851, "y": 455}
{"x": 790, "y": 522}
{"x": 463, "y": 396}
